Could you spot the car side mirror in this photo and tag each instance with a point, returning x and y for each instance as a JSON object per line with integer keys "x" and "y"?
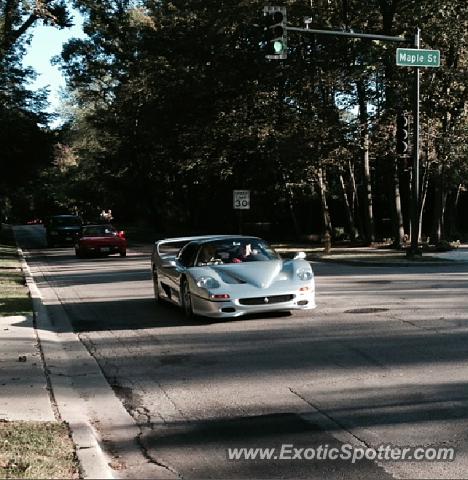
{"x": 300, "y": 255}
{"x": 121, "y": 234}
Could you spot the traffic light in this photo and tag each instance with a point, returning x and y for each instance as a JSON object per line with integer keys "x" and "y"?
{"x": 402, "y": 133}
{"x": 275, "y": 32}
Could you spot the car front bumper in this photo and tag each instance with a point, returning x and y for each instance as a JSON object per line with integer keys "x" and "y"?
{"x": 62, "y": 237}
{"x": 101, "y": 249}
{"x": 234, "y": 308}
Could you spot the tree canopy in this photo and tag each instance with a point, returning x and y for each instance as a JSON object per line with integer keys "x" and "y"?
{"x": 172, "y": 104}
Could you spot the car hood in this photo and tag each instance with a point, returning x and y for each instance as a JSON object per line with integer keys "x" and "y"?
{"x": 259, "y": 274}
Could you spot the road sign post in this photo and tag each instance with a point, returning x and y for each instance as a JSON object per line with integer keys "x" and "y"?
{"x": 417, "y": 58}
{"x": 414, "y": 248}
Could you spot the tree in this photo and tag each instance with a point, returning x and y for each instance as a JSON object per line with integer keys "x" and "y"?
{"x": 17, "y": 17}
{"x": 26, "y": 145}
{"x": 175, "y": 105}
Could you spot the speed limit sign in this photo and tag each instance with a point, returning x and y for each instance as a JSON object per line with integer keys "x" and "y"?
{"x": 241, "y": 199}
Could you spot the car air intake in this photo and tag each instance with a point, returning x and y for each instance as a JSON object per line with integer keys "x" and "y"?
{"x": 302, "y": 302}
{"x": 228, "y": 310}
{"x": 266, "y": 300}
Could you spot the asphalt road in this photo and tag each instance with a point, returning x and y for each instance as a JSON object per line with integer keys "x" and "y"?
{"x": 382, "y": 360}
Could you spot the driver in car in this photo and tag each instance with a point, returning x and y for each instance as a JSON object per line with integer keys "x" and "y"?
{"x": 208, "y": 255}
{"x": 246, "y": 254}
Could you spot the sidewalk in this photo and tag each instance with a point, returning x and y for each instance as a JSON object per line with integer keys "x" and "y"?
{"x": 24, "y": 387}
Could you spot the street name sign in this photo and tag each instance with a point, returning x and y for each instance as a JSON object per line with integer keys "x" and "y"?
{"x": 241, "y": 199}
{"x": 415, "y": 57}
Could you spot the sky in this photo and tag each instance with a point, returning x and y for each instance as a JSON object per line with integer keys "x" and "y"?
{"x": 46, "y": 43}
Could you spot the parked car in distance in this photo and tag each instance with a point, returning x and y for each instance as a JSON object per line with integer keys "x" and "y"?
{"x": 100, "y": 240}
{"x": 229, "y": 276}
{"x": 62, "y": 229}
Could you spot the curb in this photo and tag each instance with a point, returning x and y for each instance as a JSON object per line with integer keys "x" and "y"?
{"x": 93, "y": 462}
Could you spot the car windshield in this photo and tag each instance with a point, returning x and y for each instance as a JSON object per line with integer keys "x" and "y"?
{"x": 66, "y": 221}
{"x": 235, "y": 250}
{"x": 99, "y": 231}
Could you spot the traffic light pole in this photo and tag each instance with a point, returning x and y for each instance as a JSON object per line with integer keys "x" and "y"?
{"x": 340, "y": 33}
{"x": 414, "y": 248}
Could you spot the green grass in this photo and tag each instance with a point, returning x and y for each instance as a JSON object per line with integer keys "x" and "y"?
{"x": 36, "y": 450}
{"x": 14, "y": 295}
{"x": 8, "y": 256}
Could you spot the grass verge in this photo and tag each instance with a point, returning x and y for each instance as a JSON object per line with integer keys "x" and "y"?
{"x": 14, "y": 295}
{"x": 36, "y": 450}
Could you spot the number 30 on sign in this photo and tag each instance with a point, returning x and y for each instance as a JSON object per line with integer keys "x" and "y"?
{"x": 241, "y": 199}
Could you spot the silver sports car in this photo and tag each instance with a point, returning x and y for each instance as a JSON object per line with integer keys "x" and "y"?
{"x": 228, "y": 276}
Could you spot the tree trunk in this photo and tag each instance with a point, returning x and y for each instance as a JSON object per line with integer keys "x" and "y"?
{"x": 398, "y": 214}
{"x": 353, "y": 233}
{"x": 290, "y": 197}
{"x": 323, "y": 197}
{"x": 369, "y": 209}
{"x": 451, "y": 220}
{"x": 364, "y": 138}
{"x": 355, "y": 201}
{"x": 424, "y": 189}
{"x": 439, "y": 208}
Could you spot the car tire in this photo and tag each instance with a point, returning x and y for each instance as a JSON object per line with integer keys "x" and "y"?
{"x": 186, "y": 299}
{"x": 123, "y": 253}
{"x": 157, "y": 296}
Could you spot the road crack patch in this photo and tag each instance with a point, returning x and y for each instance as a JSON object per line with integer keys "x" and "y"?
{"x": 153, "y": 460}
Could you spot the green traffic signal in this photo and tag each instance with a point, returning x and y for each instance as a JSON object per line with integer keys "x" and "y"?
{"x": 275, "y": 32}
{"x": 278, "y": 46}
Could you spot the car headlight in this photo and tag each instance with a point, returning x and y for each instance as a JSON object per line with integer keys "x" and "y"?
{"x": 207, "y": 282}
{"x": 304, "y": 274}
